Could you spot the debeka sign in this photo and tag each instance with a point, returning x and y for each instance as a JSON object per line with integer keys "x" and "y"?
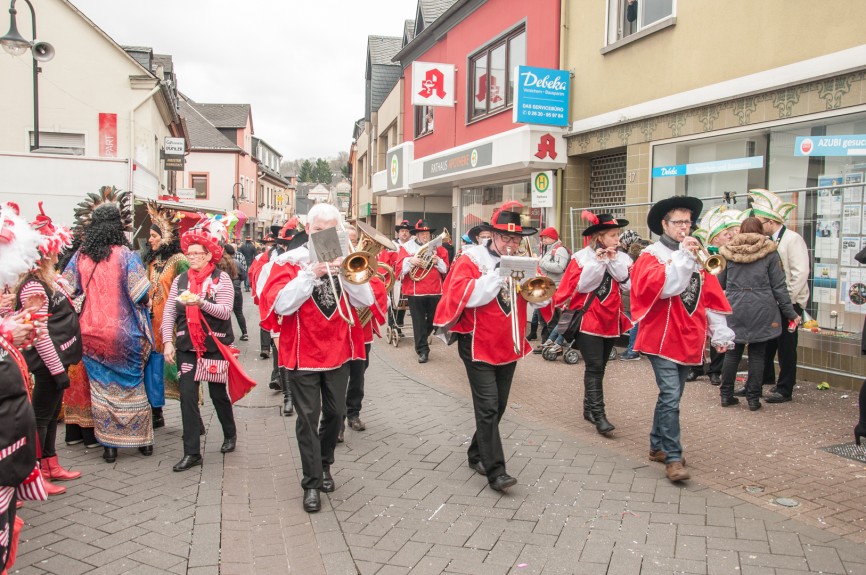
{"x": 541, "y": 96}
{"x": 460, "y": 161}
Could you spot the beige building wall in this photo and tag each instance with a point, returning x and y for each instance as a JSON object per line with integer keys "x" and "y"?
{"x": 710, "y": 42}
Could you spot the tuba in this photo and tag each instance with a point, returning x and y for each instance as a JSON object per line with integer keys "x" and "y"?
{"x": 425, "y": 253}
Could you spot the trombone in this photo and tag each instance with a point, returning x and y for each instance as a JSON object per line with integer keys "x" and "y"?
{"x": 534, "y": 290}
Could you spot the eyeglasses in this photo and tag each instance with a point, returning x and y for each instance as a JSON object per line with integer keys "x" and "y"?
{"x": 679, "y": 222}
{"x": 509, "y": 239}
{"x": 197, "y": 254}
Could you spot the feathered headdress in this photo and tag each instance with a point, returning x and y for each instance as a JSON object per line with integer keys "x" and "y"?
{"x": 54, "y": 238}
{"x": 19, "y": 246}
{"x": 109, "y": 204}
{"x": 164, "y": 222}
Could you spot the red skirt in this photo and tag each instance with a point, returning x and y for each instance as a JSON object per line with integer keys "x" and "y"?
{"x": 76, "y": 399}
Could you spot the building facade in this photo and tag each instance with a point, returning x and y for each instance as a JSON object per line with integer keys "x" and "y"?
{"x": 666, "y": 104}
{"x": 276, "y": 204}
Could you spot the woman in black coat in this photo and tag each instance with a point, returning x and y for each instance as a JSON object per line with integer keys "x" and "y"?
{"x": 754, "y": 284}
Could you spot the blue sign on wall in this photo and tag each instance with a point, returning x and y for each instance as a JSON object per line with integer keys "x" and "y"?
{"x": 851, "y": 145}
{"x": 541, "y": 96}
{"x": 749, "y": 163}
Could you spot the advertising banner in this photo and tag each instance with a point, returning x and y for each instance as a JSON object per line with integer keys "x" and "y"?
{"x": 541, "y": 96}
{"x": 107, "y": 135}
{"x": 852, "y": 145}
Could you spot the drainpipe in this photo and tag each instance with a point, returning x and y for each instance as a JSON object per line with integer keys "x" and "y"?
{"x": 132, "y": 134}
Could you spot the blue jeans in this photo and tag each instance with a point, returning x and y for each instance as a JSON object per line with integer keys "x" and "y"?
{"x": 632, "y": 336}
{"x": 671, "y": 381}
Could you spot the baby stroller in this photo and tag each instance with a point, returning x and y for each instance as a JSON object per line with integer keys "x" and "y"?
{"x": 568, "y": 349}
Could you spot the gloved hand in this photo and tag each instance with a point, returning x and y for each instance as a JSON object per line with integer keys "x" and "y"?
{"x": 61, "y": 380}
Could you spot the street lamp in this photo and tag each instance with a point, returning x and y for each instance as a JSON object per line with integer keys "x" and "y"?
{"x": 15, "y": 44}
{"x": 238, "y": 198}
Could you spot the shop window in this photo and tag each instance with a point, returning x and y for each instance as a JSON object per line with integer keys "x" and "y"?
{"x": 423, "y": 120}
{"x": 478, "y": 203}
{"x": 491, "y": 70}
{"x": 199, "y": 183}
{"x": 627, "y": 17}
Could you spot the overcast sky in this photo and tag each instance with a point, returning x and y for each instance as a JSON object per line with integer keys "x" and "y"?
{"x": 299, "y": 63}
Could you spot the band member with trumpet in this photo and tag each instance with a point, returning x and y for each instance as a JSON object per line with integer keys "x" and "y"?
{"x": 677, "y": 302}
{"x": 421, "y": 267}
{"x": 315, "y": 315}
{"x": 389, "y": 257}
{"x": 477, "y": 307}
{"x": 594, "y": 279}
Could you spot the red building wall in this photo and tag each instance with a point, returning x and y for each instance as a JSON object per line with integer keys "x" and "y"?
{"x": 483, "y": 26}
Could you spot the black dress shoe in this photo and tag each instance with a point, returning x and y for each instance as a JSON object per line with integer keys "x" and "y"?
{"x": 275, "y": 385}
{"x": 264, "y": 355}
{"x": 740, "y": 391}
{"x": 503, "y": 482}
{"x": 245, "y": 337}
{"x": 288, "y": 407}
{"x": 715, "y": 379}
{"x": 312, "y": 500}
{"x": 146, "y": 450}
{"x": 693, "y": 375}
{"x": 729, "y": 401}
{"x": 328, "y": 484}
{"x": 109, "y": 454}
{"x": 187, "y": 462}
{"x": 229, "y": 444}
{"x": 478, "y": 468}
{"x": 776, "y": 397}
{"x": 422, "y": 358}
{"x": 755, "y": 404}
{"x": 158, "y": 419}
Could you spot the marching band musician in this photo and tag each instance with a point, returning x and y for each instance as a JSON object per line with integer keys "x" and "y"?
{"x": 423, "y": 295}
{"x": 389, "y": 257}
{"x": 602, "y": 270}
{"x": 317, "y": 343}
{"x": 676, "y": 302}
{"x": 476, "y": 312}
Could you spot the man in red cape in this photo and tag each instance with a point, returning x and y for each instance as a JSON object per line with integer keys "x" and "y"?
{"x": 676, "y": 303}
{"x": 476, "y": 310}
{"x": 316, "y": 345}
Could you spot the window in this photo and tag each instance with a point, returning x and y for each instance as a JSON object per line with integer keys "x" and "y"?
{"x": 626, "y": 17}
{"x": 491, "y": 68}
{"x": 423, "y": 120}
{"x": 59, "y": 143}
{"x": 199, "y": 183}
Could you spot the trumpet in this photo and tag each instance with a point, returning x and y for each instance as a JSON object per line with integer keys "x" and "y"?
{"x": 713, "y": 263}
{"x": 425, "y": 253}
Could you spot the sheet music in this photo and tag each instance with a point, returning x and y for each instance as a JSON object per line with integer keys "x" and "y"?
{"x": 327, "y": 245}
{"x": 524, "y": 267}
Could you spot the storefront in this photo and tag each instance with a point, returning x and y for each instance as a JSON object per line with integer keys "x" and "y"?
{"x": 806, "y": 143}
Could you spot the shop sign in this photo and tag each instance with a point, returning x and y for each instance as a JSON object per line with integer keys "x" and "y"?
{"x": 432, "y": 84}
{"x": 472, "y": 158}
{"x": 173, "y": 151}
{"x": 541, "y": 96}
{"x": 185, "y": 193}
{"x": 852, "y": 145}
{"x": 736, "y": 164}
{"x": 542, "y": 189}
{"x": 395, "y": 169}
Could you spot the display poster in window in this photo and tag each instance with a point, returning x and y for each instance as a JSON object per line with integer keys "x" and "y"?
{"x": 827, "y": 237}
{"x": 853, "y": 289}
{"x": 825, "y": 283}
{"x": 851, "y": 219}
{"x": 432, "y": 84}
{"x": 850, "y": 248}
{"x": 855, "y": 194}
{"x": 541, "y": 96}
{"x": 830, "y": 198}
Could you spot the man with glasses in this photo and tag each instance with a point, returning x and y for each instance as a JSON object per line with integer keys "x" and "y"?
{"x": 476, "y": 312}
{"x": 772, "y": 213}
{"x": 676, "y": 303}
{"x": 423, "y": 294}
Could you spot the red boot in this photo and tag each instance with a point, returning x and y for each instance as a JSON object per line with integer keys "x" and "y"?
{"x": 51, "y": 469}
{"x": 50, "y": 488}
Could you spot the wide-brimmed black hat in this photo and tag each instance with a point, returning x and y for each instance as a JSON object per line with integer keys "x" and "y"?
{"x": 420, "y": 226}
{"x": 506, "y": 221}
{"x": 404, "y": 225}
{"x": 286, "y": 232}
{"x": 475, "y": 230}
{"x": 661, "y": 208}
{"x": 601, "y": 222}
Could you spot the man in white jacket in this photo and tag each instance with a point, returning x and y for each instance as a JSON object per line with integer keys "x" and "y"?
{"x": 773, "y": 212}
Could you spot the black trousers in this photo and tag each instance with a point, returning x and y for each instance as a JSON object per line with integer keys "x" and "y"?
{"x": 189, "y": 411}
{"x": 265, "y": 339}
{"x": 717, "y": 360}
{"x": 355, "y": 391}
{"x": 318, "y": 393}
{"x": 595, "y": 351}
{"x": 47, "y": 401}
{"x": 396, "y": 318}
{"x": 756, "y": 368}
{"x": 547, "y": 327}
{"x": 786, "y": 346}
{"x": 423, "y": 308}
{"x": 238, "y": 308}
{"x": 490, "y": 385}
